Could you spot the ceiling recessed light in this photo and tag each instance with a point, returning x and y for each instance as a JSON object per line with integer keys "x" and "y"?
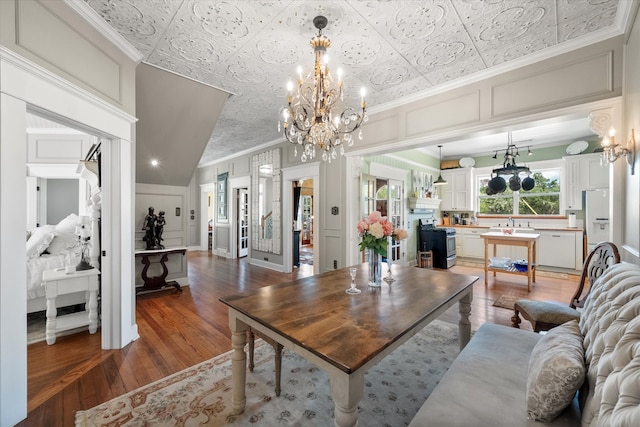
{"x": 154, "y": 162}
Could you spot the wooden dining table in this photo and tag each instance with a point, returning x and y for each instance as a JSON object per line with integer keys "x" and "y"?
{"x": 344, "y": 334}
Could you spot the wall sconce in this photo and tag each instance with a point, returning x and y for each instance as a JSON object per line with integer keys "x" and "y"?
{"x": 612, "y": 151}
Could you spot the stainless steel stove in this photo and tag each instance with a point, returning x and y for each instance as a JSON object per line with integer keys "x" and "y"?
{"x": 440, "y": 240}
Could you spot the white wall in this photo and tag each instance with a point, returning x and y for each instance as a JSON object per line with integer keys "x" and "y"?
{"x": 54, "y": 41}
{"x": 631, "y": 200}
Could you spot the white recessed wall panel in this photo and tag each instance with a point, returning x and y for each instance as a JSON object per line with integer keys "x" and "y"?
{"x": 57, "y": 148}
{"x": 592, "y": 76}
{"x": 454, "y": 112}
{"x": 41, "y": 32}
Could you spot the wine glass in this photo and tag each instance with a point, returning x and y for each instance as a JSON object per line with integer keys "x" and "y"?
{"x": 353, "y": 290}
{"x": 389, "y": 279}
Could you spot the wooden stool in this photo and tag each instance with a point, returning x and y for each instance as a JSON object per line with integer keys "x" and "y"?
{"x": 277, "y": 347}
{"x": 425, "y": 259}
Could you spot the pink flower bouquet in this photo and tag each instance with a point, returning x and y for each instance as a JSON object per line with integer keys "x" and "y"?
{"x": 374, "y": 231}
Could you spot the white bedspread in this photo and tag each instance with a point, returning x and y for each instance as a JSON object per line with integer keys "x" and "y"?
{"x": 36, "y": 266}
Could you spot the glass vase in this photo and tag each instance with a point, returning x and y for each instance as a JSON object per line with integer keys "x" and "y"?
{"x": 375, "y": 268}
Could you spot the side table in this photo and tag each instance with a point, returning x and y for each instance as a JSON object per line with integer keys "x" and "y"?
{"x": 159, "y": 282}
{"x": 57, "y": 282}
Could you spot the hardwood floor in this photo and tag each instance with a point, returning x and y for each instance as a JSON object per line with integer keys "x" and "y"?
{"x": 178, "y": 330}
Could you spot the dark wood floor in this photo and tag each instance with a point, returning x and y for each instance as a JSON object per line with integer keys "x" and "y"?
{"x": 178, "y": 330}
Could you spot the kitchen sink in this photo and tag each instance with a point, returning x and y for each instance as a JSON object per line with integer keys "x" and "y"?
{"x": 515, "y": 229}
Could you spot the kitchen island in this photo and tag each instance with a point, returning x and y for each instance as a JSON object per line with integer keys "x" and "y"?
{"x": 527, "y": 240}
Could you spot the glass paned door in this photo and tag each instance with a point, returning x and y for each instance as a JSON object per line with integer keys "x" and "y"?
{"x": 307, "y": 219}
{"x": 394, "y": 214}
{"x": 243, "y": 223}
{"x": 368, "y": 185}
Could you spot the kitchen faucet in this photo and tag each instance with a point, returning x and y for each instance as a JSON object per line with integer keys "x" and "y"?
{"x": 513, "y": 222}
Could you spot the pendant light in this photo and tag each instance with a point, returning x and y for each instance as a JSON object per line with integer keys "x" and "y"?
{"x": 440, "y": 180}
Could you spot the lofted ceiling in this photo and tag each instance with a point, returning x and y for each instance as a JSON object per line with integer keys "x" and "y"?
{"x": 395, "y": 49}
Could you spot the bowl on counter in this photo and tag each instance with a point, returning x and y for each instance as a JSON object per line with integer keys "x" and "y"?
{"x": 499, "y": 262}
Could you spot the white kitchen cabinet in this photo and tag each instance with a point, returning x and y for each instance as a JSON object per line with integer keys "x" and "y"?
{"x": 456, "y": 194}
{"x": 560, "y": 249}
{"x": 593, "y": 174}
{"x": 472, "y": 243}
{"x": 573, "y": 186}
{"x": 583, "y": 172}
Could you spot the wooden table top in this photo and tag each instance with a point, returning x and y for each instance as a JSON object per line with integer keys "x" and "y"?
{"x": 349, "y": 330}
{"x": 514, "y": 236}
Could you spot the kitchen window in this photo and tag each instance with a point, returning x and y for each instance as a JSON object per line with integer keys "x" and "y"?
{"x": 544, "y": 199}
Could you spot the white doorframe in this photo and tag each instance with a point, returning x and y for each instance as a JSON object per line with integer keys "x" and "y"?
{"x": 234, "y": 185}
{"x": 289, "y": 175}
{"x": 25, "y": 85}
{"x": 205, "y": 189}
{"x": 390, "y": 173}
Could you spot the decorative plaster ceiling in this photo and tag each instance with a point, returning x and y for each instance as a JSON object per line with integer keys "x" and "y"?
{"x": 393, "y": 48}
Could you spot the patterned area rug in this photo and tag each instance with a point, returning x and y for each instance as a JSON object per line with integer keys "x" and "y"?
{"x": 201, "y": 395}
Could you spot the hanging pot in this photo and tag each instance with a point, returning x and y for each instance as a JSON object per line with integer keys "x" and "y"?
{"x": 497, "y": 184}
{"x": 528, "y": 183}
{"x": 514, "y": 183}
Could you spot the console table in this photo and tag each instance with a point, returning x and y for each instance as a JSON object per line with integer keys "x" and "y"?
{"x": 58, "y": 282}
{"x": 158, "y": 258}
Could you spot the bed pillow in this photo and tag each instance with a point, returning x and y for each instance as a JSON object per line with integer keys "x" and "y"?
{"x": 68, "y": 224}
{"x": 556, "y": 372}
{"x": 39, "y": 241}
{"x": 62, "y": 242}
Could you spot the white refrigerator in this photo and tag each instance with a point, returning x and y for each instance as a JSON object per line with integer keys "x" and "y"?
{"x": 597, "y": 223}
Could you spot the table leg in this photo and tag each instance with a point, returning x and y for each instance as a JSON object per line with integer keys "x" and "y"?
{"x": 92, "y": 307}
{"x": 52, "y": 312}
{"x": 529, "y": 266}
{"x": 346, "y": 391}
{"x": 535, "y": 261}
{"x": 464, "y": 324}
{"x": 495, "y": 252}
{"x": 238, "y": 365}
{"x": 486, "y": 261}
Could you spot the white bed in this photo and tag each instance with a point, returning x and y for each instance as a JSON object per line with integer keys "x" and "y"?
{"x": 56, "y": 246}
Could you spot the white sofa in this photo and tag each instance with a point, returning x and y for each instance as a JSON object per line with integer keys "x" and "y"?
{"x": 487, "y": 385}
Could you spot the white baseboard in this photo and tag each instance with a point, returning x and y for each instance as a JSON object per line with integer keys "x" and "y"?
{"x": 266, "y": 264}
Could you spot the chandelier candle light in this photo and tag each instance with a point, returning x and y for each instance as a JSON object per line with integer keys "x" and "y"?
{"x": 612, "y": 151}
{"x": 374, "y": 231}
{"x": 315, "y": 116}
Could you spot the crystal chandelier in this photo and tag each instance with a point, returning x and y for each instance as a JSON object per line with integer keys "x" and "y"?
{"x": 315, "y": 116}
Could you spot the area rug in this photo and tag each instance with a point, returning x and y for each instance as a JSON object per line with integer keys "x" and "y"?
{"x": 306, "y": 258}
{"x": 201, "y": 395}
{"x": 506, "y": 301}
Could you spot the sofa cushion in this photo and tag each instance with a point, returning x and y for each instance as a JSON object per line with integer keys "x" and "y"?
{"x": 548, "y": 312}
{"x": 486, "y": 384}
{"x": 556, "y": 372}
